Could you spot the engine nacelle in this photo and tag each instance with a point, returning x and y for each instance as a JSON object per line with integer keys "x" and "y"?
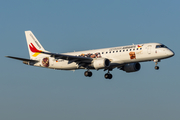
{"x": 131, "y": 67}
{"x": 100, "y": 63}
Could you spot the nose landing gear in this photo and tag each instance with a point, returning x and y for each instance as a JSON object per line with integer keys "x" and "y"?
{"x": 156, "y": 62}
{"x": 156, "y": 67}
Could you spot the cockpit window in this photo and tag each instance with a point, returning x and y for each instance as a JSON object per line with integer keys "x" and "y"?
{"x": 161, "y": 46}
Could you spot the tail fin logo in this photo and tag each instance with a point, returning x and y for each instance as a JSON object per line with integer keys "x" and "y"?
{"x": 34, "y": 50}
{"x": 139, "y": 46}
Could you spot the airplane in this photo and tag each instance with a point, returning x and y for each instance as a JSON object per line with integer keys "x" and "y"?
{"x": 126, "y": 58}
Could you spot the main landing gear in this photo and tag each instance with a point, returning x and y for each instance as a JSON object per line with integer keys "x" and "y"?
{"x": 108, "y": 75}
{"x": 88, "y": 73}
{"x": 156, "y": 62}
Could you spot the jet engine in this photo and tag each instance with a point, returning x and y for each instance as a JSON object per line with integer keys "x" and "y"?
{"x": 100, "y": 63}
{"x": 131, "y": 67}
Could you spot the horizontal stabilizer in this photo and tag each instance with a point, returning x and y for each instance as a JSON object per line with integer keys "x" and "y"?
{"x": 22, "y": 59}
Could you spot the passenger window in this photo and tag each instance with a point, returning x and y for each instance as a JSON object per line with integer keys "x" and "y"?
{"x": 127, "y": 50}
{"x": 106, "y": 52}
{"x": 116, "y": 51}
{"x": 137, "y": 48}
{"x": 110, "y": 52}
{"x": 140, "y": 48}
{"x": 102, "y": 52}
{"x": 130, "y": 50}
{"x": 134, "y": 49}
{"x": 123, "y": 50}
{"x": 120, "y": 51}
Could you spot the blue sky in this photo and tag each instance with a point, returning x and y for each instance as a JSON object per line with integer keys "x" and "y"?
{"x": 63, "y": 26}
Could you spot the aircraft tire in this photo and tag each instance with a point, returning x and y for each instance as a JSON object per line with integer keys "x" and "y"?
{"x": 156, "y": 67}
{"x": 88, "y": 73}
{"x": 108, "y": 76}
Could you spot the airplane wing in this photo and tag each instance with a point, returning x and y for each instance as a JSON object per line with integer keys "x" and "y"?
{"x": 71, "y": 58}
{"x": 22, "y": 59}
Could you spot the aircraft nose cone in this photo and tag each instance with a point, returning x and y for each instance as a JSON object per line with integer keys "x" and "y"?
{"x": 170, "y": 53}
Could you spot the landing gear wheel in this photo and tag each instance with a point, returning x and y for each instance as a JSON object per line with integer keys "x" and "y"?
{"x": 157, "y": 67}
{"x": 108, "y": 76}
{"x": 88, "y": 73}
{"x": 156, "y": 62}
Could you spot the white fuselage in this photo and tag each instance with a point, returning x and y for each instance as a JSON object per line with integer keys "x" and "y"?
{"x": 125, "y": 58}
{"x": 117, "y": 55}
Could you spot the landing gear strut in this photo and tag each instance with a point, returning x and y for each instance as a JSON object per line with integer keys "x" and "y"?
{"x": 88, "y": 73}
{"x": 156, "y": 62}
{"x": 108, "y": 75}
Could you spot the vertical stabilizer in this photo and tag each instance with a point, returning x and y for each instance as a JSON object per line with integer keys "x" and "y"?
{"x": 34, "y": 45}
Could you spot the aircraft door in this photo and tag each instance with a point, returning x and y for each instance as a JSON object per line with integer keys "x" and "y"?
{"x": 149, "y": 49}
